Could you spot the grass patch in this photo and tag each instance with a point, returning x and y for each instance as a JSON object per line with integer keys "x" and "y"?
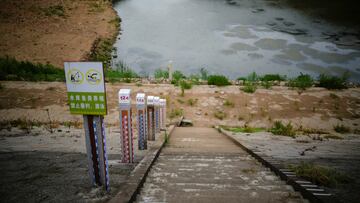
{"x": 101, "y": 51}
{"x": 249, "y": 170}
{"x": 161, "y": 74}
{"x": 229, "y": 103}
{"x": 192, "y": 102}
{"x": 303, "y": 81}
{"x": 272, "y": 77}
{"x": 335, "y": 137}
{"x": 320, "y": 175}
{"x": 121, "y": 73}
{"x": 184, "y": 85}
{"x": 180, "y": 101}
{"x": 116, "y": 21}
{"x": 249, "y": 87}
{"x": 244, "y": 129}
{"x": 175, "y": 113}
{"x": 333, "y": 82}
{"x": 266, "y": 84}
{"x": 56, "y": 10}
{"x": 218, "y": 80}
{"x": 97, "y": 6}
{"x": 334, "y": 96}
{"x": 340, "y": 128}
{"x": 220, "y": 115}
{"x": 11, "y": 69}
{"x": 285, "y": 130}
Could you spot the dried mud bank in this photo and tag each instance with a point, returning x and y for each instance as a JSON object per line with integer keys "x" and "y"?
{"x": 47, "y": 31}
{"x": 315, "y": 108}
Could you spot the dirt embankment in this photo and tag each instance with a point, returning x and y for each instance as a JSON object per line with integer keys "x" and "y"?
{"x": 315, "y": 108}
{"x": 54, "y": 31}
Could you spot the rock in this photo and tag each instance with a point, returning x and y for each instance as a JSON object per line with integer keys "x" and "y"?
{"x": 287, "y": 23}
{"x": 271, "y": 23}
{"x": 279, "y": 18}
{"x": 186, "y": 123}
{"x": 222, "y": 92}
{"x": 198, "y": 113}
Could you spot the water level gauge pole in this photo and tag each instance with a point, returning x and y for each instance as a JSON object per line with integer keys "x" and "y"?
{"x": 157, "y": 114}
{"x": 126, "y": 134}
{"x": 141, "y": 121}
{"x": 163, "y": 113}
{"x": 150, "y": 118}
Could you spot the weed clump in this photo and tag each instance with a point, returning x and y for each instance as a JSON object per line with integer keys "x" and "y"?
{"x": 333, "y": 82}
{"x": 161, "y": 74}
{"x": 303, "y": 81}
{"x": 192, "y": 102}
{"x": 340, "y": 128}
{"x": 220, "y": 115}
{"x": 175, "y": 113}
{"x": 320, "y": 175}
{"x": 273, "y": 77}
{"x": 245, "y": 129}
{"x": 229, "y": 103}
{"x": 218, "y": 80}
{"x": 280, "y": 129}
{"x": 249, "y": 87}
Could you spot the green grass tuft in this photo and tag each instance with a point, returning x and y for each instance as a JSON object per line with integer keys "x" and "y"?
{"x": 218, "y": 80}
{"x": 303, "y": 81}
{"x": 320, "y": 175}
{"x": 280, "y": 129}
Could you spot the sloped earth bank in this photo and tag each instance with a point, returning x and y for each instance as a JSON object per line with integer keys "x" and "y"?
{"x": 342, "y": 155}
{"x": 54, "y": 31}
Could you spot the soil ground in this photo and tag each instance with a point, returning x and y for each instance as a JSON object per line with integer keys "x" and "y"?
{"x": 53, "y": 31}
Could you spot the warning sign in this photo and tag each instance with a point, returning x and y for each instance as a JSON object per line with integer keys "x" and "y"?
{"x": 86, "y": 88}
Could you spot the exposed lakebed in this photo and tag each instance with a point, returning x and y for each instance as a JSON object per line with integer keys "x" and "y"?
{"x": 233, "y": 38}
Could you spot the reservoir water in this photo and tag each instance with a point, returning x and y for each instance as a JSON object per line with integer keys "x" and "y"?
{"x": 233, "y": 38}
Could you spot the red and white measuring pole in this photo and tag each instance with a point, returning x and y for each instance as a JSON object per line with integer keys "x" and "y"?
{"x": 141, "y": 121}
{"x": 150, "y": 118}
{"x": 163, "y": 113}
{"x": 126, "y": 133}
{"x": 157, "y": 114}
{"x": 96, "y": 150}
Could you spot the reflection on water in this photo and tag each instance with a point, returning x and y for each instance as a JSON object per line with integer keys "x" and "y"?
{"x": 232, "y": 38}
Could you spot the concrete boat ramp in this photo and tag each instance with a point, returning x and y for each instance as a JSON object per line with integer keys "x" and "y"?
{"x": 202, "y": 165}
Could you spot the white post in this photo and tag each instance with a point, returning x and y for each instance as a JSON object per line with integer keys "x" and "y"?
{"x": 141, "y": 121}
{"x": 126, "y": 137}
{"x": 150, "y": 118}
{"x": 157, "y": 114}
{"x": 163, "y": 113}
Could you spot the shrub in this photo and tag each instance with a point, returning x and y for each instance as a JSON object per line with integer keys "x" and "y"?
{"x": 320, "y": 175}
{"x": 11, "y": 69}
{"x": 218, "y": 80}
{"x": 272, "y": 77}
{"x": 161, "y": 74}
{"x": 266, "y": 84}
{"x": 280, "y": 129}
{"x": 340, "y": 128}
{"x": 303, "y": 81}
{"x": 184, "y": 85}
{"x": 249, "y": 87}
{"x": 120, "y": 74}
{"x": 177, "y": 75}
{"x": 333, "y": 82}
{"x": 220, "y": 115}
{"x": 253, "y": 77}
{"x": 101, "y": 51}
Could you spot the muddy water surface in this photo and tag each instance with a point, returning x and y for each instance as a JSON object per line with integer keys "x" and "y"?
{"x": 233, "y": 38}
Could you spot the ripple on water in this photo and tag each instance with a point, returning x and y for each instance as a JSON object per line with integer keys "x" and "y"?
{"x": 271, "y": 44}
{"x": 238, "y": 46}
